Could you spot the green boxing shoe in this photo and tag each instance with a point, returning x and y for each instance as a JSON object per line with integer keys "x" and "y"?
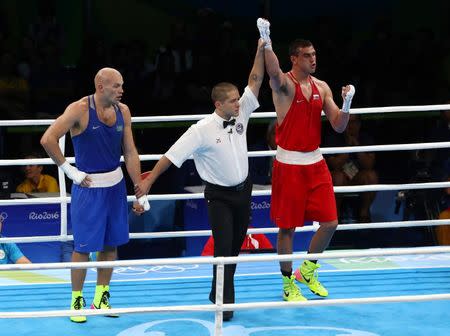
{"x": 307, "y": 274}
{"x": 78, "y": 303}
{"x": 290, "y": 290}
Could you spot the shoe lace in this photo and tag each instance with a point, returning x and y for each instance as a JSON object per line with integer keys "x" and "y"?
{"x": 295, "y": 290}
{"x": 292, "y": 288}
{"x": 314, "y": 279}
{"x": 310, "y": 273}
{"x": 79, "y": 303}
{"x": 105, "y": 299}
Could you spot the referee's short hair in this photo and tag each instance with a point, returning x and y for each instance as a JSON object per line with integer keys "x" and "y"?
{"x": 220, "y": 91}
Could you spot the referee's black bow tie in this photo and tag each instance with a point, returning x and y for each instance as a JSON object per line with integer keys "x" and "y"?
{"x": 231, "y": 123}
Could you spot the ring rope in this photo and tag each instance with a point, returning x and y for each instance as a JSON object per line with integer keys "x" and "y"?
{"x": 257, "y": 115}
{"x": 323, "y": 150}
{"x": 207, "y": 233}
{"x": 229, "y": 260}
{"x": 228, "y": 307}
{"x": 186, "y": 196}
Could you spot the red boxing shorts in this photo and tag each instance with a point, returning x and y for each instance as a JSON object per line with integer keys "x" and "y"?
{"x": 301, "y": 193}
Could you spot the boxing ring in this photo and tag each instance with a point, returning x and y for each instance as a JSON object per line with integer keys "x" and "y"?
{"x": 395, "y": 291}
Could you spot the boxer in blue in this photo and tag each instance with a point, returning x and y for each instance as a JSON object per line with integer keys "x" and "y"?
{"x": 100, "y": 127}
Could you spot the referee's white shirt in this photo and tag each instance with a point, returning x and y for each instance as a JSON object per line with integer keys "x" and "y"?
{"x": 220, "y": 154}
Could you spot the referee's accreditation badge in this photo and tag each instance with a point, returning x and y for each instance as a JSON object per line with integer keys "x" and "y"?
{"x": 240, "y": 128}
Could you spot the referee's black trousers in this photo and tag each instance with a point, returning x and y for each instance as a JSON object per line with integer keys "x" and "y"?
{"x": 229, "y": 216}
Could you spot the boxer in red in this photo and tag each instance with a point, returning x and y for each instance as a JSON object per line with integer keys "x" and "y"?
{"x": 302, "y": 188}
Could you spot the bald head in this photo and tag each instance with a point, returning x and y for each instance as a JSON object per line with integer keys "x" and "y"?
{"x": 105, "y": 75}
{"x": 109, "y": 85}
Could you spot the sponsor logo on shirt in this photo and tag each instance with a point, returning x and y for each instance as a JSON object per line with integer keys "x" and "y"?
{"x": 119, "y": 128}
{"x": 240, "y": 128}
{"x": 316, "y": 96}
{"x": 218, "y": 141}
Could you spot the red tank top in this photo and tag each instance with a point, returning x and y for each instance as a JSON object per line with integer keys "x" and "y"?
{"x": 301, "y": 128}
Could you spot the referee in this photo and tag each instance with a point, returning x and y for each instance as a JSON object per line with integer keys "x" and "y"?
{"x": 218, "y": 144}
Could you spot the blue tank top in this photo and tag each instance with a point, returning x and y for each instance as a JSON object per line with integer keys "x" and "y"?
{"x": 99, "y": 147}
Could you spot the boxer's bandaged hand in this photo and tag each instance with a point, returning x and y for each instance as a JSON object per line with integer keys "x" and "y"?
{"x": 348, "y": 99}
{"x": 73, "y": 173}
{"x": 143, "y": 200}
{"x": 264, "y": 31}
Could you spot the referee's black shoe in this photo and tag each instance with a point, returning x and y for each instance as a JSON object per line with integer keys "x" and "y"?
{"x": 227, "y": 315}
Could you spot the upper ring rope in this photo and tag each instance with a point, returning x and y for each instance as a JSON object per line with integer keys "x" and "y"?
{"x": 257, "y": 115}
{"x": 207, "y": 233}
{"x": 267, "y": 192}
{"x": 323, "y": 150}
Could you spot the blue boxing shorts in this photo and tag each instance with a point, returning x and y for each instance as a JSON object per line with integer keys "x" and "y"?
{"x": 99, "y": 216}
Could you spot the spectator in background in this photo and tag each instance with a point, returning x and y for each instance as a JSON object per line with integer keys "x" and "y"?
{"x": 14, "y": 98}
{"x": 46, "y": 26}
{"x": 10, "y": 252}
{"x": 261, "y": 167}
{"x": 52, "y": 85}
{"x": 27, "y": 58}
{"x": 440, "y": 158}
{"x": 232, "y": 52}
{"x": 180, "y": 45}
{"x": 95, "y": 54}
{"x": 443, "y": 231}
{"x": 165, "y": 81}
{"x": 14, "y": 90}
{"x": 6, "y": 38}
{"x": 201, "y": 79}
{"x": 6, "y": 181}
{"x": 353, "y": 168}
{"x": 173, "y": 64}
{"x": 35, "y": 180}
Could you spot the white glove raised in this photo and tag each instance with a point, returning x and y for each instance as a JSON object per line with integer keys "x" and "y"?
{"x": 348, "y": 99}
{"x": 264, "y": 31}
{"x": 73, "y": 173}
{"x": 143, "y": 200}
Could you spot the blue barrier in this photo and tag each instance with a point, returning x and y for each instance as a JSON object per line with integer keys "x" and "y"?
{"x": 44, "y": 220}
{"x": 196, "y": 218}
{"x": 36, "y": 220}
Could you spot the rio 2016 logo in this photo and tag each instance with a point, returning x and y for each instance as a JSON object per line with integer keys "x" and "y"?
{"x": 260, "y": 205}
{"x": 44, "y": 215}
{"x": 200, "y": 326}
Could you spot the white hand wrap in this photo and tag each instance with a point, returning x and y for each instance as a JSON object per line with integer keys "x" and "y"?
{"x": 264, "y": 31}
{"x": 73, "y": 173}
{"x": 348, "y": 99}
{"x": 143, "y": 200}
